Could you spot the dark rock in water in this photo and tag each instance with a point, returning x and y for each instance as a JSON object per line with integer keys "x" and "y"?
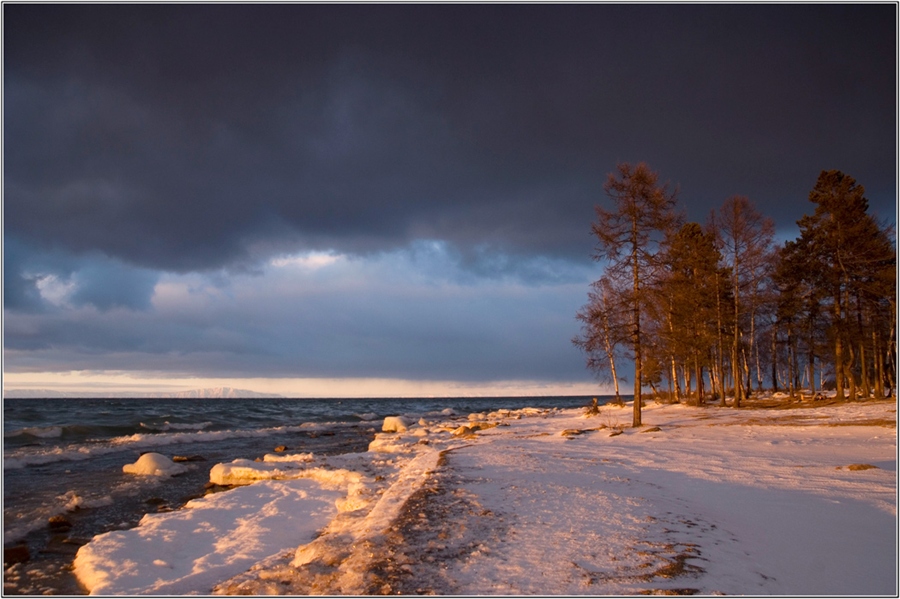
{"x": 155, "y": 501}
{"x": 189, "y": 458}
{"x": 60, "y": 545}
{"x": 212, "y": 487}
{"x": 16, "y": 555}
{"x": 59, "y": 523}
{"x": 281, "y": 448}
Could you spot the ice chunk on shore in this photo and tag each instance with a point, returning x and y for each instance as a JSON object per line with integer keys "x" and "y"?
{"x": 389, "y": 443}
{"x": 214, "y": 538}
{"x": 289, "y": 457}
{"x": 154, "y": 464}
{"x": 245, "y": 472}
{"x": 395, "y": 424}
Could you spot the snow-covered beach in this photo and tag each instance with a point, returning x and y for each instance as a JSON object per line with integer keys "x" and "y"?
{"x": 759, "y": 501}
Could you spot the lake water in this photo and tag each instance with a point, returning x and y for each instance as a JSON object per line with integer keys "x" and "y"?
{"x": 65, "y": 457}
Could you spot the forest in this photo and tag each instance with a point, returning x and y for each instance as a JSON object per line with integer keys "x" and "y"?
{"x": 717, "y": 311}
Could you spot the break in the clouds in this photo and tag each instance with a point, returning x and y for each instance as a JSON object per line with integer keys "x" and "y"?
{"x": 414, "y": 315}
{"x": 159, "y": 160}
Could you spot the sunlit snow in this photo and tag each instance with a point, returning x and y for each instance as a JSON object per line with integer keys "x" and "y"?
{"x": 716, "y": 501}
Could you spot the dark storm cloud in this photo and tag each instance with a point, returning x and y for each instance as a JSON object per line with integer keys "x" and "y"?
{"x": 443, "y": 160}
{"x": 187, "y": 137}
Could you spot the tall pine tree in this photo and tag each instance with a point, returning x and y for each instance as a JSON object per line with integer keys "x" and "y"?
{"x": 853, "y": 260}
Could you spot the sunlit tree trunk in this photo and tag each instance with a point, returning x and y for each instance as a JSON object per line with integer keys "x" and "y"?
{"x": 838, "y": 348}
{"x": 607, "y": 342}
{"x": 735, "y": 344}
{"x": 878, "y": 365}
{"x": 638, "y": 400}
{"x": 790, "y": 341}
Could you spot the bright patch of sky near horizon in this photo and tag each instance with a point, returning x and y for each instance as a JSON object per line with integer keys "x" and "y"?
{"x": 396, "y": 323}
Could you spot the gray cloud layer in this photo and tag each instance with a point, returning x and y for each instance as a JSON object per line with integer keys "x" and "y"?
{"x": 149, "y": 139}
{"x": 175, "y": 136}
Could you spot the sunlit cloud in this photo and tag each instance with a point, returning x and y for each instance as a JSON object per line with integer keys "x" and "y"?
{"x": 53, "y": 288}
{"x": 309, "y": 261}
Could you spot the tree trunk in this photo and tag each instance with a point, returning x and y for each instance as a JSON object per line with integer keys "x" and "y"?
{"x": 735, "y": 363}
{"x": 838, "y": 349}
{"x": 699, "y": 369}
{"x": 745, "y": 362}
{"x": 774, "y": 359}
{"x": 879, "y": 366}
{"x": 754, "y": 350}
{"x": 676, "y": 390}
{"x": 811, "y": 358}
{"x": 790, "y": 340}
{"x": 715, "y": 382}
{"x": 636, "y": 419}
{"x": 865, "y": 389}
{"x": 720, "y": 347}
{"x": 891, "y": 373}
{"x": 670, "y": 378}
{"x": 863, "y": 366}
{"x": 612, "y": 360}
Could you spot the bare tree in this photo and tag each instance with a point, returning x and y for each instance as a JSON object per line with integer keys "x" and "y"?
{"x": 686, "y": 303}
{"x": 628, "y": 239}
{"x": 604, "y": 330}
{"x": 747, "y": 241}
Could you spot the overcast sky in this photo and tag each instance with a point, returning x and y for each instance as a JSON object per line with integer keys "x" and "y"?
{"x": 273, "y": 194}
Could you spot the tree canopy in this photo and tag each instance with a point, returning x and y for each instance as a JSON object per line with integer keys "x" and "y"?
{"x": 711, "y": 308}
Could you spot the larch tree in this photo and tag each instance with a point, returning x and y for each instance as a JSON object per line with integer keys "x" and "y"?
{"x": 687, "y": 294}
{"x": 746, "y": 239}
{"x": 628, "y": 239}
{"x": 604, "y": 330}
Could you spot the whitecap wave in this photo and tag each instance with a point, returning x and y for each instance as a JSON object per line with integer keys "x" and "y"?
{"x": 30, "y": 456}
{"x": 44, "y": 432}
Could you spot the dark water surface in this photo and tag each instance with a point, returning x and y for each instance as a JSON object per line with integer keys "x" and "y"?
{"x": 65, "y": 457}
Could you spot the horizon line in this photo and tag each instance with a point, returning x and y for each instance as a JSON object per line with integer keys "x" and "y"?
{"x": 97, "y": 384}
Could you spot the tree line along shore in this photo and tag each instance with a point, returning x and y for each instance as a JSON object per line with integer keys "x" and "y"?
{"x": 712, "y": 310}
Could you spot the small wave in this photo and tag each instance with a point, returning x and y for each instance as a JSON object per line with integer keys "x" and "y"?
{"x": 36, "y": 517}
{"x": 23, "y": 457}
{"x": 73, "y": 501}
{"x": 367, "y": 416}
{"x": 69, "y": 432}
{"x": 42, "y": 432}
{"x": 21, "y": 529}
{"x": 177, "y": 426}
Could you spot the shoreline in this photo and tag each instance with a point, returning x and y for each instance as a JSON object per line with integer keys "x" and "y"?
{"x": 551, "y": 502}
{"x": 455, "y": 520}
{"x": 450, "y": 536}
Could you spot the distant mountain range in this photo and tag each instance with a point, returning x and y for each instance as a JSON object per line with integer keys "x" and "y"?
{"x": 210, "y": 393}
